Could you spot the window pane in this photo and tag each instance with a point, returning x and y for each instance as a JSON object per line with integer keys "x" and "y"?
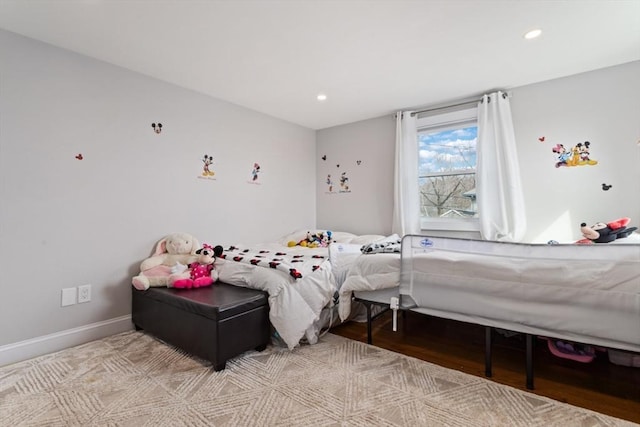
{"x": 447, "y": 171}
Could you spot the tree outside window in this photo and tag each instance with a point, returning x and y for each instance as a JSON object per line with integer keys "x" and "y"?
{"x": 447, "y": 170}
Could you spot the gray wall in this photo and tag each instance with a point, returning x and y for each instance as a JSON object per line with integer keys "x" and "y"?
{"x": 601, "y": 106}
{"x": 66, "y": 222}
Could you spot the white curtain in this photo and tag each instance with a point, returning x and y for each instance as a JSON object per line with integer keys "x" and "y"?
{"x": 406, "y": 194}
{"x": 498, "y": 187}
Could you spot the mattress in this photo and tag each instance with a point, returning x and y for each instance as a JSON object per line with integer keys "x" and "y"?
{"x": 583, "y": 293}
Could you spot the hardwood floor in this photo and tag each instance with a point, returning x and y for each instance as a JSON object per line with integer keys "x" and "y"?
{"x": 599, "y": 386}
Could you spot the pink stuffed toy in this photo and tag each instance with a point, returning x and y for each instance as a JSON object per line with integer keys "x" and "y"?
{"x": 201, "y": 272}
{"x": 176, "y": 248}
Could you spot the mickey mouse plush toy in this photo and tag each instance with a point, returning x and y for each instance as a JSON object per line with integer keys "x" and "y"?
{"x": 606, "y": 233}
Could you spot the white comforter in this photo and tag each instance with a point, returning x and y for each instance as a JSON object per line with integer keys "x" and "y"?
{"x": 295, "y": 304}
{"x": 368, "y": 273}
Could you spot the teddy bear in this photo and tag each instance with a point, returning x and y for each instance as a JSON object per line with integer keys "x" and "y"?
{"x": 172, "y": 249}
{"x": 201, "y": 272}
{"x": 606, "y": 233}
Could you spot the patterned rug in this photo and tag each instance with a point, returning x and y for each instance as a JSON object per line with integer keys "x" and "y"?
{"x": 132, "y": 379}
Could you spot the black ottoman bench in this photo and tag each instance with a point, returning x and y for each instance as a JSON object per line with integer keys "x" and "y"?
{"x": 215, "y": 323}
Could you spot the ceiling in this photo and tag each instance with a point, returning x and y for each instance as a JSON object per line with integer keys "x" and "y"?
{"x": 370, "y": 57}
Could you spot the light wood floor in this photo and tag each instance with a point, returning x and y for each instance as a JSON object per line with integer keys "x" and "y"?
{"x": 600, "y": 385}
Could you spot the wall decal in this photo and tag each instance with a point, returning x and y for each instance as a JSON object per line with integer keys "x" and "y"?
{"x": 254, "y": 174}
{"x": 358, "y": 162}
{"x": 606, "y": 187}
{"x": 344, "y": 183}
{"x": 157, "y": 128}
{"x": 330, "y": 183}
{"x": 337, "y": 165}
{"x": 324, "y": 157}
{"x": 578, "y": 155}
{"x": 207, "y": 173}
{"x": 541, "y": 139}
{"x": 79, "y": 156}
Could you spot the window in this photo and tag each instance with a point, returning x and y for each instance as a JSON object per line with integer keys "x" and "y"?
{"x": 447, "y": 170}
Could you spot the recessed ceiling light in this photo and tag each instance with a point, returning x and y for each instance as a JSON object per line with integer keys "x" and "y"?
{"x": 321, "y": 97}
{"x": 533, "y": 34}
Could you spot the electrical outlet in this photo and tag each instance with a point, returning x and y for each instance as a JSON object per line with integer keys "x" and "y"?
{"x": 68, "y": 296}
{"x": 84, "y": 293}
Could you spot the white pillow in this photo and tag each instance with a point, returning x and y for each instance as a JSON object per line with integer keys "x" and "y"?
{"x": 342, "y": 236}
{"x": 365, "y": 239}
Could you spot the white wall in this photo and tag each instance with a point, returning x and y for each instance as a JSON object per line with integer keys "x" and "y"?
{"x": 66, "y": 222}
{"x": 601, "y": 106}
{"x": 367, "y": 207}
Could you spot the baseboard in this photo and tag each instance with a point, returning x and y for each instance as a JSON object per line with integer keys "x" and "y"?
{"x": 45, "y": 344}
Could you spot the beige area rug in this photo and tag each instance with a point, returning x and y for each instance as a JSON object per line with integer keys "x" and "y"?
{"x": 132, "y": 379}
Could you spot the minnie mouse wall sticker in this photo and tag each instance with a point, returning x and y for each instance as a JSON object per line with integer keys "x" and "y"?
{"x": 79, "y": 156}
{"x": 329, "y": 183}
{"x": 157, "y": 128}
{"x": 254, "y": 173}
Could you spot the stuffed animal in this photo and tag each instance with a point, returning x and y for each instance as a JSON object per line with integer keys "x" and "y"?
{"x": 174, "y": 248}
{"x": 606, "y": 233}
{"x": 201, "y": 272}
{"x": 319, "y": 239}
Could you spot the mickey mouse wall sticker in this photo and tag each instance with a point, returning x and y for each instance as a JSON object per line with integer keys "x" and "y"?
{"x": 207, "y": 173}
{"x": 157, "y": 128}
{"x": 344, "y": 183}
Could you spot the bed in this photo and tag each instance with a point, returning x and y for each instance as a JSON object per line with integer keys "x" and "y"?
{"x": 581, "y": 293}
{"x": 302, "y": 282}
{"x": 370, "y": 278}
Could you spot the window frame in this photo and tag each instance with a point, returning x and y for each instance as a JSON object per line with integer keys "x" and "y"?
{"x": 442, "y": 120}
